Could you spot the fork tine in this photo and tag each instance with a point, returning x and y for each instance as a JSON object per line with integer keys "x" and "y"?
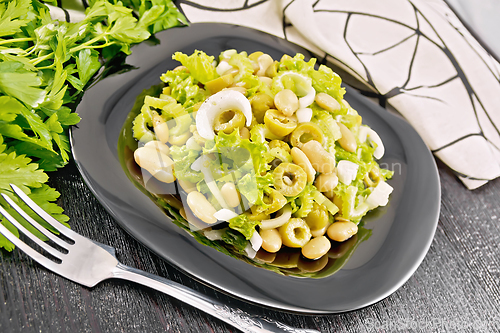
{"x": 38, "y": 257}
{"x": 43, "y": 214}
{"x": 34, "y": 223}
{"x": 25, "y": 231}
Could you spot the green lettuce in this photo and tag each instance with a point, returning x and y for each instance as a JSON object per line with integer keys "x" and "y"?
{"x": 245, "y": 74}
{"x": 324, "y": 80}
{"x": 184, "y": 88}
{"x": 183, "y": 158}
{"x": 303, "y": 202}
{"x": 244, "y": 65}
{"x": 328, "y": 125}
{"x": 352, "y": 208}
{"x": 297, "y": 64}
{"x": 199, "y": 64}
{"x": 246, "y": 162}
{"x": 244, "y": 225}
{"x": 253, "y": 187}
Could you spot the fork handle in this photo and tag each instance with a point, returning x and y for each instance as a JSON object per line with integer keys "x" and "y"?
{"x": 238, "y": 318}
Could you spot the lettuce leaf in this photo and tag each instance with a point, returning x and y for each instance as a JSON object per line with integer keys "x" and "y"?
{"x": 302, "y": 203}
{"x": 297, "y": 64}
{"x": 244, "y": 161}
{"x": 200, "y": 65}
{"x": 244, "y": 65}
{"x": 184, "y": 88}
{"x": 183, "y": 158}
{"x": 244, "y": 225}
{"x": 329, "y": 127}
{"x": 324, "y": 80}
{"x": 253, "y": 187}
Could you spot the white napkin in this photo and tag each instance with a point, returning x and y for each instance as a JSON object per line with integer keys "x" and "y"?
{"x": 415, "y": 55}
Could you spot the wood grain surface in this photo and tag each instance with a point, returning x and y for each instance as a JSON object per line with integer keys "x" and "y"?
{"x": 455, "y": 289}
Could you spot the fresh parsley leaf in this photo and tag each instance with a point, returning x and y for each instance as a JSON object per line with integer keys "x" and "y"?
{"x": 12, "y": 16}
{"x": 19, "y": 170}
{"x": 10, "y": 112}
{"x": 87, "y": 63}
{"x": 47, "y": 160}
{"x": 66, "y": 117}
{"x": 21, "y": 84}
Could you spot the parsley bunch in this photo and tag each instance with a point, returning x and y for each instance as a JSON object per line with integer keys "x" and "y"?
{"x": 45, "y": 66}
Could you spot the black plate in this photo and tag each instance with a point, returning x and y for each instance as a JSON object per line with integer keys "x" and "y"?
{"x": 401, "y": 235}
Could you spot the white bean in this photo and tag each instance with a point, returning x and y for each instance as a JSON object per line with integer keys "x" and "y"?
{"x": 271, "y": 240}
{"x": 319, "y": 232}
{"x": 299, "y": 158}
{"x": 266, "y": 80}
{"x": 316, "y": 247}
{"x": 321, "y": 160}
{"x": 156, "y": 163}
{"x": 342, "y": 230}
{"x": 347, "y": 141}
{"x": 161, "y": 147}
{"x": 201, "y": 208}
{"x": 230, "y": 194}
{"x": 326, "y": 182}
{"x": 287, "y": 102}
{"x": 188, "y": 187}
{"x": 327, "y": 102}
{"x": 161, "y": 129}
{"x": 264, "y": 61}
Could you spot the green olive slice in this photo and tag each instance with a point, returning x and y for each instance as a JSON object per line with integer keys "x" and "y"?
{"x": 295, "y": 233}
{"x": 289, "y": 179}
{"x": 275, "y": 200}
{"x": 229, "y": 120}
{"x": 260, "y": 103}
{"x": 279, "y": 144}
{"x": 318, "y": 218}
{"x": 305, "y": 132}
{"x": 216, "y": 85}
{"x": 278, "y": 123}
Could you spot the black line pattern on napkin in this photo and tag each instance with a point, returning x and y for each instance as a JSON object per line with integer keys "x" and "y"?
{"x": 434, "y": 85}
{"x": 455, "y": 141}
{"x": 66, "y": 13}
{"x": 389, "y": 47}
{"x": 495, "y": 73}
{"x": 368, "y": 74}
{"x": 283, "y": 18}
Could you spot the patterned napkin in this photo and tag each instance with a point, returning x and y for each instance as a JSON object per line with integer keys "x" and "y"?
{"x": 413, "y": 55}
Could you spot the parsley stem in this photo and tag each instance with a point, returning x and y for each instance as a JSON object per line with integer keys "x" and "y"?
{"x": 16, "y": 40}
{"x": 30, "y": 50}
{"x": 46, "y": 67}
{"x": 38, "y": 60}
{"x": 87, "y": 44}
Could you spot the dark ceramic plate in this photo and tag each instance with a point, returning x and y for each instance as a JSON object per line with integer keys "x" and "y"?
{"x": 401, "y": 233}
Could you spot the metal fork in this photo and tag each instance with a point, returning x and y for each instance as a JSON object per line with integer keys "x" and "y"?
{"x": 88, "y": 262}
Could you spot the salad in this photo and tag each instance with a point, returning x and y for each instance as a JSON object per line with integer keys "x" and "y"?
{"x": 258, "y": 158}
